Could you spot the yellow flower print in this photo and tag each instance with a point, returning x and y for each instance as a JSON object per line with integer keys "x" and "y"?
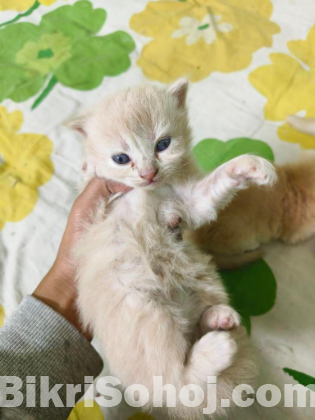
{"x": 21, "y": 5}
{"x": 291, "y": 135}
{"x": 25, "y": 165}
{"x": 206, "y": 29}
{"x": 80, "y": 412}
{"x": 47, "y": 2}
{"x": 289, "y": 86}
{"x": 194, "y": 38}
{"x": 2, "y": 315}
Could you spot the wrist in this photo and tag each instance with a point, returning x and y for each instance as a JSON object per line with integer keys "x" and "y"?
{"x": 58, "y": 291}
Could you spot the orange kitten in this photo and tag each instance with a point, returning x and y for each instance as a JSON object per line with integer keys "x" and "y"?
{"x": 257, "y": 216}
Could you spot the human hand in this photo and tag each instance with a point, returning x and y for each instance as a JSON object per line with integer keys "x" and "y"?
{"x": 58, "y": 288}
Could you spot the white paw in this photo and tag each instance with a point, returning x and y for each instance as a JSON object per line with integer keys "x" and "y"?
{"x": 252, "y": 169}
{"x": 214, "y": 352}
{"x": 168, "y": 215}
{"x": 219, "y": 317}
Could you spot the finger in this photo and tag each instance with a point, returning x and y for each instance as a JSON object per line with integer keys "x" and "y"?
{"x": 97, "y": 188}
{"x": 115, "y": 187}
{"x": 84, "y": 206}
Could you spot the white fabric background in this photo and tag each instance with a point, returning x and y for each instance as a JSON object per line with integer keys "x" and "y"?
{"x": 221, "y": 106}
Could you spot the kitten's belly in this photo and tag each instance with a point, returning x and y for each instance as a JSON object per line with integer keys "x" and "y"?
{"x": 188, "y": 304}
{"x": 151, "y": 257}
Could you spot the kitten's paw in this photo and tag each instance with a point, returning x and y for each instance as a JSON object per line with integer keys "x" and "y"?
{"x": 252, "y": 169}
{"x": 213, "y": 353}
{"x": 168, "y": 215}
{"x": 219, "y": 317}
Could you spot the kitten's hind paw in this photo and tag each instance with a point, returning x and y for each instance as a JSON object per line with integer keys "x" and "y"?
{"x": 213, "y": 353}
{"x": 219, "y": 317}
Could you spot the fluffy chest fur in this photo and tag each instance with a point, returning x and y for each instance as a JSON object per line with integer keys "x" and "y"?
{"x": 135, "y": 259}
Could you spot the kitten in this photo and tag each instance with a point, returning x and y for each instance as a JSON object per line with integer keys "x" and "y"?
{"x": 157, "y": 303}
{"x": 257, "y": 216}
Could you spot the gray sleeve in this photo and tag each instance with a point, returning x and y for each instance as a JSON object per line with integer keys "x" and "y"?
{"x": 37, "y": 342}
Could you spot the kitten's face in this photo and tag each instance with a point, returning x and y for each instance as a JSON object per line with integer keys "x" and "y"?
{"x": 139, "y": 137}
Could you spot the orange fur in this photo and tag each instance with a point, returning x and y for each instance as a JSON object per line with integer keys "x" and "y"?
{"x": 258, "y": 215}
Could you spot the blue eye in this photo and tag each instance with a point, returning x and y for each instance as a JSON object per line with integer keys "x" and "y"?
{"x": 121, "y": 159}
{"x": 163, "y": 144}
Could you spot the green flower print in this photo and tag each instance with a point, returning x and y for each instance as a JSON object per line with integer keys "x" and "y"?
{"x": 301, "y": 378}
{"x": 211, "y": 153}
{"x": 46, "y": 54}
{"x": 252, "y": 290}
{"x": 64, "y": 49}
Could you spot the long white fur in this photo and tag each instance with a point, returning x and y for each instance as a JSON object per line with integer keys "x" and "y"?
{"x": 141, "y": 290}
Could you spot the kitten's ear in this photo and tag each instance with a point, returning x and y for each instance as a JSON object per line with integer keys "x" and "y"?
{"x": 179, "y": 90}
{"x": 78, "y": 123}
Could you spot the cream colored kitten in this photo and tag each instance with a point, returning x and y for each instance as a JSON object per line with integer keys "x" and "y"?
{"x": 157, "y": 303}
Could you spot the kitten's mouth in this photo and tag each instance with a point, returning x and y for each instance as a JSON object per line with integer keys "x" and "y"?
{"x": 151, "y": 183}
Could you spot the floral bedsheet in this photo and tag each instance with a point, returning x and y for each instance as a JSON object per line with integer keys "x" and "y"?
{"x": 250, "y": 63}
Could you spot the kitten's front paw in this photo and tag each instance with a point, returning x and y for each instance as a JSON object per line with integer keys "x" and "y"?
{"x": 219, "y": 317}
{"x": 168, "y": 215}
{"x": 252, "y": 169}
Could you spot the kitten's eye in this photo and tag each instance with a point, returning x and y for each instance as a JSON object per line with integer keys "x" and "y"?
{"x": 121, "y": 159}
{"x": 163, "y": 144}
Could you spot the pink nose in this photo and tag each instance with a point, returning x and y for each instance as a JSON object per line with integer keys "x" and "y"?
{"x": 149, "y": 175}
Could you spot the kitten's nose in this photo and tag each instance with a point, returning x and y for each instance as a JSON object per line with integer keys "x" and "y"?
{"x": 149, "y": 175}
